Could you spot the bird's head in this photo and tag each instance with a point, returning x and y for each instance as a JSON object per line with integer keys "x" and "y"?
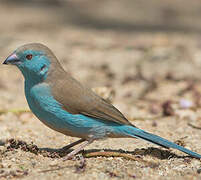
{"x": 33, "y": 60}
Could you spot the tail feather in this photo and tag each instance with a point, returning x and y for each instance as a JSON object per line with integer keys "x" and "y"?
{"x": 138, "y": 133}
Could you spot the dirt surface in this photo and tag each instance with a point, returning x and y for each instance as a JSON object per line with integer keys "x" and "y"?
{"x": 152, "y": 77}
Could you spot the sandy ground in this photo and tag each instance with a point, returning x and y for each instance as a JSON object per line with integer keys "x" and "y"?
{"x": 155, "y": 82}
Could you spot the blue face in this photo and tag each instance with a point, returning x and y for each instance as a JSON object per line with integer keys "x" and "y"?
{"x": 33, "y": 64}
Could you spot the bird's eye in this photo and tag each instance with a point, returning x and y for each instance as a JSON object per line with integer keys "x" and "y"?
{"x": 29, "y": 56}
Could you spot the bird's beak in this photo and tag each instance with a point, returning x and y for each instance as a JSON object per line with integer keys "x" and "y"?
{"x": 12, "y": 59}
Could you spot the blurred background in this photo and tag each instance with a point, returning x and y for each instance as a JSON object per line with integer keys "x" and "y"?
{"x": 145, "y": 55}
{"x": 133, "y": 43}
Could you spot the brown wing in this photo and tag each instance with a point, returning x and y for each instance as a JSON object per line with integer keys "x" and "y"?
{"x": 101, "y": 109}
{"x": 77, "y": 99}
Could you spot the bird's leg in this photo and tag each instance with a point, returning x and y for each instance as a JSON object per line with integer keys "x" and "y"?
{"x": 73, "y": 144}
{"x": 77, "y": 150}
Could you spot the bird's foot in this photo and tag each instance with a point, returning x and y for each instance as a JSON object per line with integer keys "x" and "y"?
{"x": 72, "y": 154}
{"x": 68, "y": 157}
{"x": 72, "y": 144}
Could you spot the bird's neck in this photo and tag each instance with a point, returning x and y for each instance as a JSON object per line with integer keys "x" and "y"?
{"x": 31, "y": 80}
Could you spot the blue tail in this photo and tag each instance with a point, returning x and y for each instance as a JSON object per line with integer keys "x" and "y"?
{"x": 138, "y": 133}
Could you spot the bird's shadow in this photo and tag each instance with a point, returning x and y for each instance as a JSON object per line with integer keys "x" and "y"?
{"x": 150, "y": 151}
{"x": 61, "y": 152}
{"x": 2, "y": 143}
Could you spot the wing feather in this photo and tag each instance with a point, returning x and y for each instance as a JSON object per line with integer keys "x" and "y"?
{"x": 77, "y": 99}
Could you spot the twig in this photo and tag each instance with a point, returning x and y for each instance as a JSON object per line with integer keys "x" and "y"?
{"x": 55, "y": 169}
{"x": 193, "y": 126}
{"x": 15, "y": 111}
{"x": 144, "y": 118}
{"x": 117, "y": 154}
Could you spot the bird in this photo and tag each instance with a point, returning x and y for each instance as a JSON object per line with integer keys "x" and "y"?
{"x": 65, "y": 105}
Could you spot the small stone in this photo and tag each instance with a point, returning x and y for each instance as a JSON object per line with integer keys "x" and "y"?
{"x": 185, "y": 104}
